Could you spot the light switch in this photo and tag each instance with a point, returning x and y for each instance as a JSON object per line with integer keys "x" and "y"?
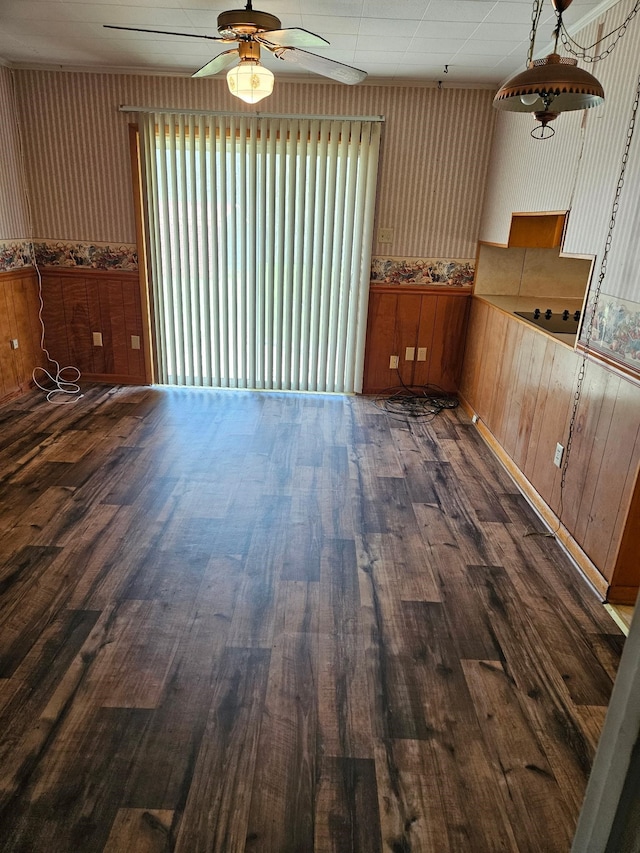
{"x": 422, "y": 354}
{"x": 14, "y": 343}
{"x": 97, "y": 339}
{"x": 410, "y": 353}
{"x": 135, "y": 341}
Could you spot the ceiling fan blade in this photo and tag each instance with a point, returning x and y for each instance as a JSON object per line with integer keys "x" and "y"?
{"x": 163, "y": 33}
{"x": 218, "y": 63}
{"x": 321, "y": 65}
{"x": 292, "y": 37}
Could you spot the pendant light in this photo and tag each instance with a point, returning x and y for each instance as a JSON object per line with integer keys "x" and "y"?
{"x": 249, "y": 80}
{"x": 551, "y": 85}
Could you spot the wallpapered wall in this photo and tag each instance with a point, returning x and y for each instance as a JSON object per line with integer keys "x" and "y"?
{"x": 578, "y": 170}
{"x": 432, "y": 171}
{"x": 14, "y": 220}
{"x": 578, "y": 167}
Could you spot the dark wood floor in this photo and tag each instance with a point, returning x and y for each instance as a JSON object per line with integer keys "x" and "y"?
{"x": 282, "y": 623}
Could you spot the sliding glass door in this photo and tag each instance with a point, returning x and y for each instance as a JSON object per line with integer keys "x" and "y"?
{"x": 259, "y": 232}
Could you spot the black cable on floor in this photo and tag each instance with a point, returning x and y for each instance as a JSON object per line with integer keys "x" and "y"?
{"x": 421, "y": 402}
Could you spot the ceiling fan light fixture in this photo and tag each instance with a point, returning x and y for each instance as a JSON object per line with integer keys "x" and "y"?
{"x": 250, "y": 81}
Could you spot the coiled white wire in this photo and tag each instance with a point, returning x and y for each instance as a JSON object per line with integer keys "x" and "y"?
{"x": 68, "y": 388}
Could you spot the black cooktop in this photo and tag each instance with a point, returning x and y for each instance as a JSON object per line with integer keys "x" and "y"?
{"x": 559, "y": 322}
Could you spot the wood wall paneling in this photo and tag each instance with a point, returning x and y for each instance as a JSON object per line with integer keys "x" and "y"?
{"x": 621, "y": 452}
{"x": 26, "y": 306}
{"x": 76, "y": 300}
{"x": 408, "y": 325}
{"x": 19, "y": 307}
{"x": 8, "y": 372}
{"x": 474, "y": 356}
{"x": 425, "y": 338}
{"x": 624, "y": 581}
{"x": 53, "y": 316}
{"x": 80, "y": 302}
{"x": 411, "y": 317}
{"x": 381, "y": 327}
{"x": 447, "y": 345}
{"x": 521, "y": 383}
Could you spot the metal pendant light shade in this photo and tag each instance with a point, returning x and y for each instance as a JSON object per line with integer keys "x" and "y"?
{"x": 549, "y": 86}
{"x": 557, "y": 81}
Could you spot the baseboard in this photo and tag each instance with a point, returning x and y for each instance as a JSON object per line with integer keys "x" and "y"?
{"x": 626, "y": 595}
{"x": 563, "y": 536}
{"x": 114, "y": 378}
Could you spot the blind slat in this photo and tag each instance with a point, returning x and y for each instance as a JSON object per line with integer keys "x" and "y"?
{"x": 260, "y": 235}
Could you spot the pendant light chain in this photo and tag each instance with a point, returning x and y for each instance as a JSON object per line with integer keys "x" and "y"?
{"x": 535, "y": 18}
{"x": 596, "y": 295}
{"x": 581, "y": 52}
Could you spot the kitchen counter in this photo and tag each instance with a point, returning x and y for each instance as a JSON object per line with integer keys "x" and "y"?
{"x": 511, "y": 304}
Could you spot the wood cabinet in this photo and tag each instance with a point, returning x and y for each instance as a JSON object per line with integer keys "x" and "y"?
{"x": 537, "y": 230}
{"x": 409, "y": 317}
{"x": 19, "y": 307}
{"x": 79, "y": 303}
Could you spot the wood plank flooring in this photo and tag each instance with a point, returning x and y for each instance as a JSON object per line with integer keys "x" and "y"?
{"x": 234, "y": 622}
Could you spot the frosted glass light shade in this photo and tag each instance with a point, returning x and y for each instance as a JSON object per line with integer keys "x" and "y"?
{"x": 250, "y": 81}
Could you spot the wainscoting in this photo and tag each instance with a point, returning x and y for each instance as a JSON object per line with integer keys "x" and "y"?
{"x": 79, "y": 303}
{"x": 433, "y": 319}
{"x": 18, "y": 321}
{"x": 521, "y": 383}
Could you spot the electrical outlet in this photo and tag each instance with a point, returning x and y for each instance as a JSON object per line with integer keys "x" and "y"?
{"x": 14, "y": 343}
{"x": 97, "y": 339}
{"x": 557, "y": 457}
{"x": 410, "y": 353}
{"x": 385, "y": 235}
{"x": 135, "y": 341}
{"x": 422, "y": 353}
{"x": 475, "y": 419}
{"x": 393, "y": 362}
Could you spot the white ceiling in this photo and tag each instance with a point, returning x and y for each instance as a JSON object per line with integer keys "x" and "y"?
{"x": 481, "y": 41}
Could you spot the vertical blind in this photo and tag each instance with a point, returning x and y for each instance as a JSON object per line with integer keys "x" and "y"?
{"x": 259, "y": 232}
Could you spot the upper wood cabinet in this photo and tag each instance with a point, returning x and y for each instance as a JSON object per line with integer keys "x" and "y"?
{"x": 401, "y": 318}
{"x": 537, "y": 230}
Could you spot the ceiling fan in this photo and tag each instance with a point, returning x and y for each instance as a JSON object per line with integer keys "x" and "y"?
{"x": 251, "y": 29}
